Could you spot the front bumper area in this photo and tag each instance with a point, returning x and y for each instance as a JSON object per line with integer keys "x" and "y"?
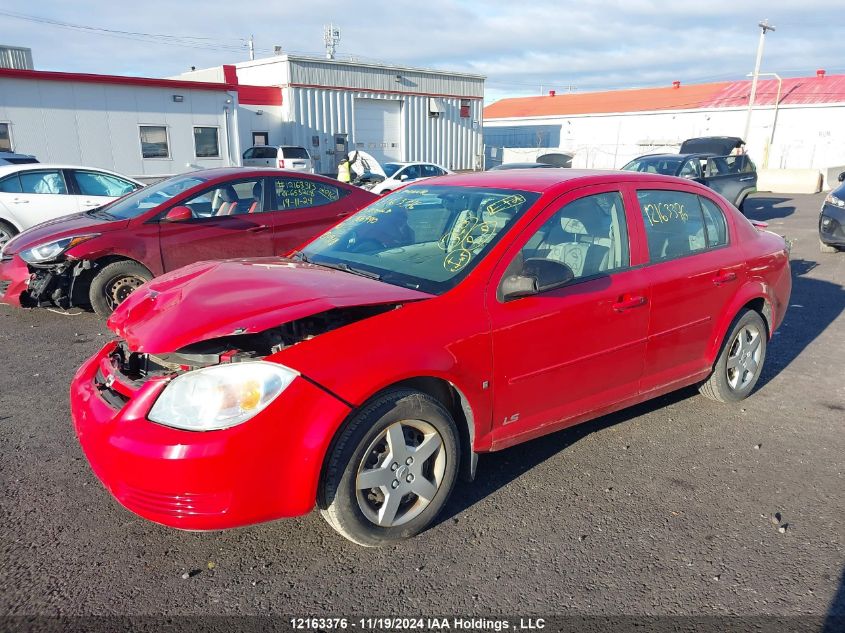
{"x": 832, "y": 225}
{"x": 14, "y": 279}
{"x": 266, "y": 468}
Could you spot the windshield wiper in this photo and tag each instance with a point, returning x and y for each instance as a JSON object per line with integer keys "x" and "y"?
{"x": 349, "y": 269}
{"x": 99, "y": 212}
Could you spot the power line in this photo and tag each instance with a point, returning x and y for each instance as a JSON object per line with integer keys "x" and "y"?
{"x": 187, "y": 41}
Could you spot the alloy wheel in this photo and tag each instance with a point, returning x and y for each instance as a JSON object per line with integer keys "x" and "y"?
{"x": 400, "y": 473}
{"x": 744, "y": 357}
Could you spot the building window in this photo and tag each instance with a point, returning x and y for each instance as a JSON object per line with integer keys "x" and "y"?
{"x": 206, "y": 142}
{"x": 464, "y": 108}
{"x": 5, "y": 138}
{"x": 260, "y": 138}
{"x": 154, "y": 143}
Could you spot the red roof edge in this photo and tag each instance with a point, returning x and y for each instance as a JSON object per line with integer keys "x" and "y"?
{"x": 119, "y": 80}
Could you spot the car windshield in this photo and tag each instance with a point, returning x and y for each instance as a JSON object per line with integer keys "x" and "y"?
{"x": 426, "y": 238}
{"x": 143, "y": 200}
{"x": 390, "y": 169}
{"x": 667, "y": 165}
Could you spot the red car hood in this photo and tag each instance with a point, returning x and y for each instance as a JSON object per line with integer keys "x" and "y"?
{"x": 66, "y": 226}
{"x": 213, "y": 299}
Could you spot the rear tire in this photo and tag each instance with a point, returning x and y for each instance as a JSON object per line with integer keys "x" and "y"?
{"x": 116, "y": 281}
{"x": 7, "y": 232}
{"x": 406, "y": 445}
{"x": 740, "y": 361}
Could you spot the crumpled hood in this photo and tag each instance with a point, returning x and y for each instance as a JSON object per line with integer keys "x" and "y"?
{"x": 65, "y": 226}
{"x": 213, "y": 299}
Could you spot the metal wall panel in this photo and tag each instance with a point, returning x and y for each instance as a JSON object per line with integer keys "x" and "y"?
{"x": 97, "y": 124}
{"x": 342, "y": 74}
{"x": 449, "y": 139}
{"x": 16, "y": 57}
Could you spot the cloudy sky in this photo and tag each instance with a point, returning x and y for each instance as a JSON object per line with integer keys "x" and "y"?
{"x": 522, "y": 47}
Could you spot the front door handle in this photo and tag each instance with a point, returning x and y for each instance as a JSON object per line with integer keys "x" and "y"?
{"x": 628, "y": 302}
{"x": 724, "y": 277}
{"x": 19, "y": 201}
{"x": 746, "y": 178}
{"x": 343, "y": 214}
{"x": 258, "y": 229}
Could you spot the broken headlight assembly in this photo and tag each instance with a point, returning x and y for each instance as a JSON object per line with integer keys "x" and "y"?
{"x": 50, "y": 251}
{"x": 221, "y": 396}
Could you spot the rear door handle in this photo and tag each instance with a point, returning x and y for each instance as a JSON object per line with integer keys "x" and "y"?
{"x": 258, "y": 229}
{"x": 343, "y": 214}
{"x": 723, "y": 278}
{"x": 19, "y": 201}
{"x": 746, "y": 178}
{"x": 626, "y": 303}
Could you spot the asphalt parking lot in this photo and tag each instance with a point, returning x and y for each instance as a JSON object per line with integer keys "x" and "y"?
{"x": 678, "y": 506}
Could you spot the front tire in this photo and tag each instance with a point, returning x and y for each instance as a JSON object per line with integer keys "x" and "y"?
{"x": 740, "y": 362}
{"x": 391, "y": 469}
{"x": 7, "y": 232}
{"x": 114, "y": 283}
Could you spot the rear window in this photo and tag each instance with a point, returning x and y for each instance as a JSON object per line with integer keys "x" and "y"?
{"x": 295, "y": 152}
{"x": 263, "y": 152}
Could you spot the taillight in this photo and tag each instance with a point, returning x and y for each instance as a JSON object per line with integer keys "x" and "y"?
{"x": 281, "y": 163}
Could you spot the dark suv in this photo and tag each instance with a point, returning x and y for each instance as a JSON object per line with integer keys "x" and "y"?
{"x": 707, "y": 160}
{"x": 832, "y": 219}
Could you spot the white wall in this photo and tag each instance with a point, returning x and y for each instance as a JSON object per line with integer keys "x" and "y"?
{"x": 808, "y": 136}
{"x": 98, "y": 124}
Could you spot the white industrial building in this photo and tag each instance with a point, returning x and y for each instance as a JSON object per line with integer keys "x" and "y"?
{"x": 797, "y": 125}
{"x": 151, "y": 128}
{"x": 142, "y": 127}
{"x": 331, "y": 106}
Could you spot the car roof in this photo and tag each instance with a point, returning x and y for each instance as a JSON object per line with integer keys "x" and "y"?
{"x": 11, "y": 169}
{"x": 543, "y": 180}
{"x": 684, "y": 156}
{"x": 218, "y": 173}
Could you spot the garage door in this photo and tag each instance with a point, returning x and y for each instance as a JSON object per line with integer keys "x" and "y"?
{"x": 378, "y": 128}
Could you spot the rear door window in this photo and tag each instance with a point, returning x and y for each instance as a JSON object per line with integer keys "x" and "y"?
{"x": 714, "y": 223}
{"x": 93, "y": 183}
{"x": 302, "y": 193}
{"x": 674, "y": 223}
{"x": 264, "y": 152}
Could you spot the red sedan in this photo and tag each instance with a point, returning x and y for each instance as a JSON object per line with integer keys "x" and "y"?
{"x": 98, "y": 257}
{"x": 450, "y": 318}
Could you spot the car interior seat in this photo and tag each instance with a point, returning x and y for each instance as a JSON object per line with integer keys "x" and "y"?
{"x": 230, "y": 200}
{"x": 580, "y": 239}
{"x": 257, "y": 190}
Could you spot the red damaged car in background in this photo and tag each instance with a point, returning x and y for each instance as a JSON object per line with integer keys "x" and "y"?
{"x": 453, "y": 317}
{"x": 98, "y": 257}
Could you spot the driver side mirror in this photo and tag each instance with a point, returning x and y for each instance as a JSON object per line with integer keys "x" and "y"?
{"x": 842, "y": 177}
{"x": 403, "y": 177}
{"x": 537, "y": 275}
{"x": 179, "y": 214}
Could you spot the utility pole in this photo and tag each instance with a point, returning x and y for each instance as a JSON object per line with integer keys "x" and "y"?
{"x": 251, "y": 48}
{"x": 764, "y": 26}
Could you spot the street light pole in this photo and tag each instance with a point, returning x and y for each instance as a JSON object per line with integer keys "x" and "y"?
{"x": 764, "y": 26}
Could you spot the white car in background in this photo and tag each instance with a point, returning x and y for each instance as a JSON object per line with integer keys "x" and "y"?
{"x": 400, "y": 174}
{"x": 291, "y": 157}
{"x": 34, "y": 193}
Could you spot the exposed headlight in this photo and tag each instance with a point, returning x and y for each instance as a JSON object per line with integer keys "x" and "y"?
{"x": 51, "y": 250}
{"x": 220, "y": 397}
{"x": 837, "y": 202}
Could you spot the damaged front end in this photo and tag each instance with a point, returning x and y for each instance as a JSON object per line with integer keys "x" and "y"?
{"x": 127, "y": 371}
{"x": 57, "y": 283}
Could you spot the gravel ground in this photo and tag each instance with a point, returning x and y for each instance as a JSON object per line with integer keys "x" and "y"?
{"x": 677, "y": 506}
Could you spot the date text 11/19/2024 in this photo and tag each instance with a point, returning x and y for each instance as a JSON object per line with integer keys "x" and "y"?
{"x": 417, "y": 624}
